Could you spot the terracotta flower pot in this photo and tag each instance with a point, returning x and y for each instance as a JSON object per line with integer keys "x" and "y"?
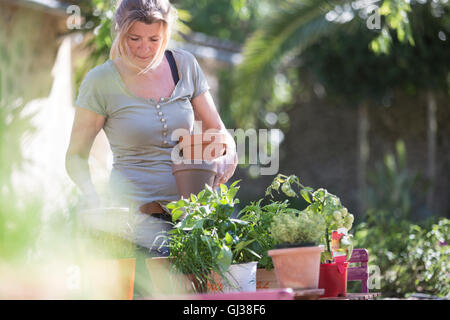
{"x": 333, "y": 278}
{"x": 266, "y": 279}
{"x": 191, "y": 178}
{"x": 109, "y": 279}
{"x": 165, "y": 282}
{"x": 297, "y": 268}
{"x": 197, "y": 169}
{"x": 205, "y": 146}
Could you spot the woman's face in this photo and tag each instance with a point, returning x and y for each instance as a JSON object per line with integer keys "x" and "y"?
{"x": 144, "y": 41}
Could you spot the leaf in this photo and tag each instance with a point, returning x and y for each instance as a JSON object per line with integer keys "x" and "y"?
{"x": 232, "y": 193}
{"x": 176, "y": 214}
{"x": 326, "y": 255}
{"x": 201, "y": 194}
{"x": 239, "y": 221}
{"x": 349, "y": 252}
{"x": 241, "y": 245}
{"x": 253, "y": 253}
{"x": 235, "y": 183}
{"x": 199, "y": 224}
{"x": 225, "y": 258}
{"x": 171, "y": 205}
{"x": 228, "y": 239}
{"x": 305, "y": 195}
{"x": 208, "y": 188}
{"x": 182, "y": 203}
{"x": 223, "y": 189}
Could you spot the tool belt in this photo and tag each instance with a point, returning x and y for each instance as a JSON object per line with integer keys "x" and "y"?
{"x": 155, "y": 210}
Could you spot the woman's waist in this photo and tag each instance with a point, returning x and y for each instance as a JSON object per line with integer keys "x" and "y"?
{"x": 142, "y": 159}
{"x": 138, "y": 155}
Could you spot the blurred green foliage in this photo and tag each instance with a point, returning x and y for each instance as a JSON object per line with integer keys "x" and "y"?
{"x": 395, "y": 193}
{"x": 412, "y": 258}
{"x": 350, "y": 72}
{"x": 330, "y": 43}
{"x": 428, "y": 259}
{"x": 409, "y": 251}
{"x": 225, "y": 19}
{"x": 27, "y": 231}
{"x": 20, "y": 219}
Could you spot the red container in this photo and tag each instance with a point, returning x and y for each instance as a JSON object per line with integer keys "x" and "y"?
{"x": 333, "y": 278}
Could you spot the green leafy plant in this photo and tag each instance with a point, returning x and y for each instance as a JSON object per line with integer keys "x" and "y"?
{"x": 429, "y": 258}
{"x": 409, "y": 252}
{"x": 261, "y": 216}
{"x": 412, "y": 260}
{"x": 323, "y": 204}
{"x": 297, "y": 227}
{"x": 207, "y": 238}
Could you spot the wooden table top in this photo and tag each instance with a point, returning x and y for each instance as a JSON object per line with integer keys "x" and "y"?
{"x": 270, "y": 294}
{"x": 356, "y": 296}
{"x": 308, "y": 294}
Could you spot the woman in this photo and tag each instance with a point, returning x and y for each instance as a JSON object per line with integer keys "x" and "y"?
{"x": 139, "y": 97}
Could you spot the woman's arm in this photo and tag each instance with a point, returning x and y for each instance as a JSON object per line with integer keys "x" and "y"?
{"x": 86, "y": 126}
{"x": 205, "y": 110}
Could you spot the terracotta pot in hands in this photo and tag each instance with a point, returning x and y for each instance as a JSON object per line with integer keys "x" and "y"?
{"x": 192, "y": 176}
{"x": 205, "y": 146}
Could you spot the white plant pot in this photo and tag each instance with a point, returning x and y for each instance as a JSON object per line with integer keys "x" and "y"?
{"x": 242, "y": 277}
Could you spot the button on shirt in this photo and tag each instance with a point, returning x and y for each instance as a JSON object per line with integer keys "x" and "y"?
{"x": 139, "y": 129}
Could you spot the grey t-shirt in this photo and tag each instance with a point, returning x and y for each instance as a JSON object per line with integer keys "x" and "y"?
{"x": 139, "y": 130}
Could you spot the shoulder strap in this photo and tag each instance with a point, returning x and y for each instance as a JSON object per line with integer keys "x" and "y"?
{"x": 173, "y": 66}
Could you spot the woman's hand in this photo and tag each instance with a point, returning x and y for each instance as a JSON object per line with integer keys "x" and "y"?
{"x": 205, "y": 111}
{"x": 226, "y": 165}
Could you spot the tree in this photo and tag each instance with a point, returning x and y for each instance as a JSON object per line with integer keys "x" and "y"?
{"x": 354, "y": 74}
{"x": 228, "y": 20}
{"x": 302, "y": 27}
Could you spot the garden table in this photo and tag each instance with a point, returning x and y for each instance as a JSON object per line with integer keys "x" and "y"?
{"x": 356, "y": 296}
{"x": 266, "y": 294}
{"x": 308, "y": 294}
{"x": 270, "y": 294}
{"x": 314, "y": 294}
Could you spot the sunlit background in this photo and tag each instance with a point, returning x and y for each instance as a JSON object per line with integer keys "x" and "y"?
{"x": 357, "y": 93}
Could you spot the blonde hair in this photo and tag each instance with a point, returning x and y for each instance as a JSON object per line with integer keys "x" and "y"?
{"x": 147, "y": 11}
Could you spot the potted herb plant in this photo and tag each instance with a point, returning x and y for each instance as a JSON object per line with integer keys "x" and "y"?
{"x": 209, "y": 244}
{"x": 297, "y": 254}
{"x": 260, "y": 217}
{"x": 337, "y": 222}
